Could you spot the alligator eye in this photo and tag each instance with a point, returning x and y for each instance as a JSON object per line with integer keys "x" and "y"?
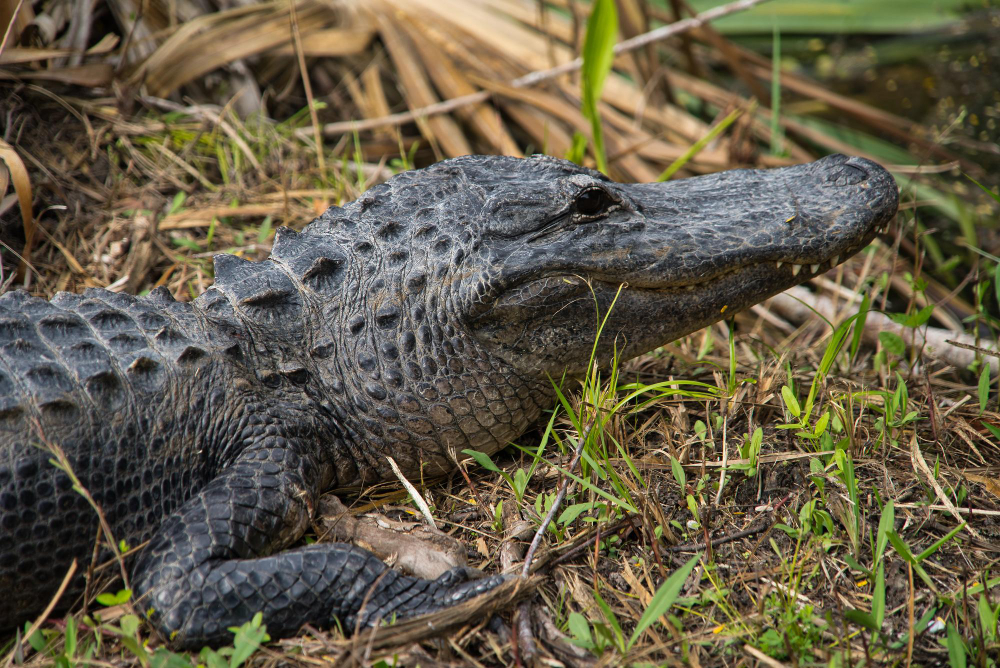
{"x": 592, "y": 201}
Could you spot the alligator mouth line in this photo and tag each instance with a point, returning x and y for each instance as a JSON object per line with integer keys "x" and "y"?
{"x": 805, "y": 269}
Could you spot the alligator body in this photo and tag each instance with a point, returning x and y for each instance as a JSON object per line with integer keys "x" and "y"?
{"x": 422, "y": 319}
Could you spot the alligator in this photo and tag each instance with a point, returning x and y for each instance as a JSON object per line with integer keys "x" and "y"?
{"x": 424, "y": 318}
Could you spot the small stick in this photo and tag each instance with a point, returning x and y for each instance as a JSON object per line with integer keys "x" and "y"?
{"x": 585, "y": 544}
{"x": 558, "y": 502}
{"x": 694, "y": 547}
{"x": 525, "y": 638}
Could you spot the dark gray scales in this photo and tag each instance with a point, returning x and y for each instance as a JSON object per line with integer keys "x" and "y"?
{"x": 420, "y": 320}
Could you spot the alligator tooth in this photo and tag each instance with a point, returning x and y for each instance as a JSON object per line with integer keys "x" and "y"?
{"x": 835, "y": 261}
{"x": 778, "y": 264}
{"x": 796, "y": 268}
{"x": 814, "y": 268}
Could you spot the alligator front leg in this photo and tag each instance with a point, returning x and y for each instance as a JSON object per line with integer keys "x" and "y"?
{"x": 214, "y": 563}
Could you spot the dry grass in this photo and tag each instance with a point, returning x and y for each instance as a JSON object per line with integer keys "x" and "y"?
{"x": 149, "y": 139}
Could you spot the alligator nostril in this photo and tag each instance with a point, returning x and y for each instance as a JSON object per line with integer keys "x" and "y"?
{"x": 847, "y": 175}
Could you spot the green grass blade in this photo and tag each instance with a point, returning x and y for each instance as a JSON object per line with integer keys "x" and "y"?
{"x": 956, "y": 648}
{"x": 885, "y": 524}
{"x": 664, "y": 598}
{"x": 696, "y": 147}
{"x": 986, "y": 190}
{"x": 598, "y": 56}
{"x": 939, "y": 542}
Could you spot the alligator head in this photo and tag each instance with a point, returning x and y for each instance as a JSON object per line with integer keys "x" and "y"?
{"x": 684, "y": 254}
{"x": 467, "y": 285}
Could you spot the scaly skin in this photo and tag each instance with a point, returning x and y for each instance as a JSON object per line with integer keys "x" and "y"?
{"x": 420, "y": 320}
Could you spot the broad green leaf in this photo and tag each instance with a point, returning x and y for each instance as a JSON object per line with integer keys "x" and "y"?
{"x": 177, "y": 203}
{"x": 598, "y": 57}
{"x": 854, "y": 565}
{"x": 885, "y": 524}
{"x": 248, "y": 639}
{"x": 610, "y": 617}
{"x": 862, "y": 618}
{"x": 956, "y": 648}
{"x": 878, "y": 597}
{"x": 678, "y": 470}
{"x": 36, "y": 639}
{"x": 664, "y": 598}
{"x": 839, "y": 17}
{"x": 577, "y": 149}
{"x": 936, "y": 545}
{"x": 996, "y": 281}
{"x": 984, "y": 387}
{"x": 70, "y": 636}
{"x": 901, "y": 548}
{"x": 790, "y": 401}
{"x": 822, "y": 424}
{"x": 129, "y": 624}
{"x": 580, "y": 628}
{"x": 574, "y": 511}
{"x": 913, "y": 319}
{"x": 988, "y": 618}
{"x": 482, "y": 459}
{"x": 893, "y": 343}
{"x": 859, "y": 325}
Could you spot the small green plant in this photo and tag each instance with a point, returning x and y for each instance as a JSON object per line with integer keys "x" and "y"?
{"x": 802, "y": 412}
{"x": 895, "y": 413}
{"x": 248, "y": 639}
{"x": 750, "y": 451}
{"x": 664, "y": 598}
{"x": 794, "y": 633}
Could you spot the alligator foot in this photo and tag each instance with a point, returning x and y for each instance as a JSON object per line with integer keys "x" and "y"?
{"x": 217, "y": 560}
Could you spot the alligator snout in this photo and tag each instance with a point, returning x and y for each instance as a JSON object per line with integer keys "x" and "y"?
{"x": 847, "y": 175}
{"x": 843, "y": 171}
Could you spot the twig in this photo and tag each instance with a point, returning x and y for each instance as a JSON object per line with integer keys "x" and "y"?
{"x": 764, "y": 659}
{"x": 558, "y": 502}
{"x": 910, "y": 604}
{"x": 952, "y": 348}
{"x": 533, "y": 78}
{"x": 584, "y": 542}
{"x": 961, "y": 511}
{"x": 694, "y": 547}
{"x": 525, "y": 638}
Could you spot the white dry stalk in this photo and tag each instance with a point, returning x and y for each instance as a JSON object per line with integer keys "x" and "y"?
{"x": 425, "y": 510}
